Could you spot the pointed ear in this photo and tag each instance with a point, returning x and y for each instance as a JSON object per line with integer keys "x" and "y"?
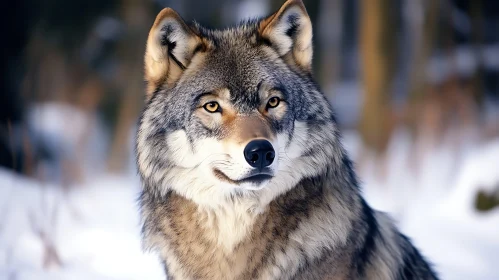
{"x": 289, "y": 32}
{"x": 170, "y": 47}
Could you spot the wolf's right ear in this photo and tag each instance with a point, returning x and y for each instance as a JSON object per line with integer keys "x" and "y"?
{"x": 289, "y": 32}
{"x": 170, "y": 47}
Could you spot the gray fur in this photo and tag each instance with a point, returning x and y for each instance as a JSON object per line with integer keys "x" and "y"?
{"x": 308, "y": 222}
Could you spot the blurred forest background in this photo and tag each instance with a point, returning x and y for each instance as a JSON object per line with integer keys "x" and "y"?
{"x": 424, "y": 73}
{"x": 425, "y": 65}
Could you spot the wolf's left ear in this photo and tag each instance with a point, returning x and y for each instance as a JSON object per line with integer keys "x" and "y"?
{"x": 289, "y": 32}
{"x": 170, "y": 47}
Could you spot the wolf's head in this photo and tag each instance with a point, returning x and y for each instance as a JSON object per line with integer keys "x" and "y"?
{"x": 233, "y": 113}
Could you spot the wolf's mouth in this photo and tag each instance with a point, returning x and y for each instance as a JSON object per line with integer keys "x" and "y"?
{"x": 256, "y": 179}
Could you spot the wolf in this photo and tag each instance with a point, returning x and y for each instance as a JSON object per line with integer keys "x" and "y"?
{"x": 243, "y": 171}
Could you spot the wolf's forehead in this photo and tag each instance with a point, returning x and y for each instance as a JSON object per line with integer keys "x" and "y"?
{"x": 238, "y": 68}
{"x": 235, "y": 63}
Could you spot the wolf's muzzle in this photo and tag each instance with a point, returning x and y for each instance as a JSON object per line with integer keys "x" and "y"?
{"x": 259, "y": 153}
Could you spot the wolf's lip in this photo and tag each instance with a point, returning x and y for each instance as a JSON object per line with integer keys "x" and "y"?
{"x": 258, "y": 179}
{"x": 254, "y": 178}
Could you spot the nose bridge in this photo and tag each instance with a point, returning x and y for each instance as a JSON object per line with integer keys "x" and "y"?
{"x": 248, "y": 128}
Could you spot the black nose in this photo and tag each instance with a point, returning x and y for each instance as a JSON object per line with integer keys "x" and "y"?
{"x": 259, "y": 153}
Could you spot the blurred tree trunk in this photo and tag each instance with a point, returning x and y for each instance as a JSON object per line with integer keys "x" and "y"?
{"x": 377, "y": 55}
{"x": 330, "y": 33}
{"x": 420, "y": 108}
{"x": 423, "y": 41}
{"x": 477, "y": 26}
{"x": 138, "y": 18}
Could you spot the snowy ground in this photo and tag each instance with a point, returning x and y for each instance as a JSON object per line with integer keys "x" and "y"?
{"x": 91, "y": 230}
{"x": 434, "y": 205}
{"x": 94, "y": 228}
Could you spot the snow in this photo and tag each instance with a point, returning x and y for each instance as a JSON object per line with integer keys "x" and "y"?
{"x": 94, "y": 228}
{"x": 433, "y": 203}
{"x": 464, "y": 243}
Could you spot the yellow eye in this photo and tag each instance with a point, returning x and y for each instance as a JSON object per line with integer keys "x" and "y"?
{"x": 273, "y": 102}
{"x": 212, "y": 107}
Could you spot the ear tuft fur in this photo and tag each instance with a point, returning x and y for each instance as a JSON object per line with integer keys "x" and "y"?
{"x": 170, "y": 47}
{"x": 289, "y": 32}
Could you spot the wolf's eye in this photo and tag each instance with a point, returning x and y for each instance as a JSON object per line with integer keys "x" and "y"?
{"x": 273, "y": 102}
{"x": 212, "y": 107}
